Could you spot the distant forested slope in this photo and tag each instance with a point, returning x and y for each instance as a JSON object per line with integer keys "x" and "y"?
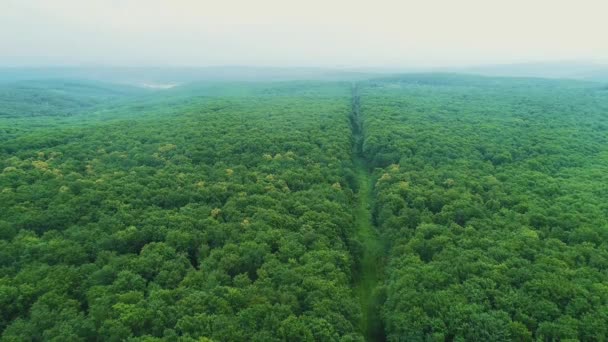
{"x": 57, "y": 97}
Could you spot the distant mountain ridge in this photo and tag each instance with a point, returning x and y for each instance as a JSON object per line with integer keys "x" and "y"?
{"x": 167, "y": 75}
{"x": 568, "y": 70}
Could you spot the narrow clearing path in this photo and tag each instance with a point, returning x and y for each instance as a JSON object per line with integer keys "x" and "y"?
{"x": 371, "y": 264}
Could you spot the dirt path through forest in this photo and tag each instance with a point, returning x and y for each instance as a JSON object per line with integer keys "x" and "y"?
{"x": 372, "y": 261}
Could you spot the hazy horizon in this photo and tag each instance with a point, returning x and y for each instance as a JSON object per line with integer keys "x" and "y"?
{"x": 271, "y": 33}
{"x": 352, "y": 68}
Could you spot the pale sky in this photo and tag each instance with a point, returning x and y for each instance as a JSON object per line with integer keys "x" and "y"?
{"x": 329, "y": 33}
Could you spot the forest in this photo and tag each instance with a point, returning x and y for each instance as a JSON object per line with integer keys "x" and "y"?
{"x": 415, "y": 207}
{"x": 492, "y": 196}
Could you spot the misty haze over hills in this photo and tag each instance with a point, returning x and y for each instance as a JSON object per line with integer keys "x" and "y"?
{"x": 136, "y": 75}
{"x": 161, "y": 77}
{"x": 568, "y": 70}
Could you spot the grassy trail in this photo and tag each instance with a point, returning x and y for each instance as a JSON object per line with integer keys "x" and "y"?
{"x": 372, "y": 261}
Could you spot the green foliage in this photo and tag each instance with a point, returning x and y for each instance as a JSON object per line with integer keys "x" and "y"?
{"x": 492, "y": 194}
{"x": 241, "y": 212}
{"x": 215, "y": 218}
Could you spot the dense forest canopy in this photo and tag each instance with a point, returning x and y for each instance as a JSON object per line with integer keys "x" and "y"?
{"x": 492, "y": 194}
{"x": 231, "y": 211}
{"x": 229, "y": 220}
